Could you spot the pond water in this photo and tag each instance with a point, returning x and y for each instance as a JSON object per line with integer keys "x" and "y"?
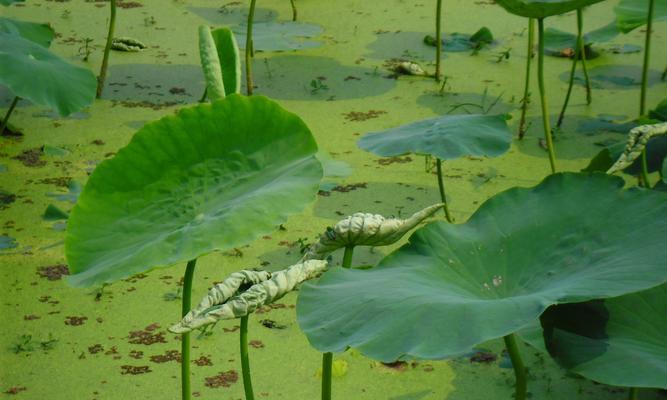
{"x": 60, "y": 342}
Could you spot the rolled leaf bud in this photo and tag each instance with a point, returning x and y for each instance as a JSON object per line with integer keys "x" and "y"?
{"x": 637, "y": 140}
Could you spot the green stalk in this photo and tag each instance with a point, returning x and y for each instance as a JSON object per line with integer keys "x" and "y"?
{"x": 526, "y": 89}
{"x": 441, "y": 186}
{"x": 245, "y": 361}
{"x": 327, "y": 358}
{"x": 521, "y": 386}
{"x": 543, "y": 98}
{"x": 8, "y": 114}
{"x": 107, "y": 49}
{"x": 581, "y": 49}
{"x": 580, "y": 52}
{"x": 294, "y": 12}
{"x": 438, "y": 38}
{"x": 633, "y": 394}
{"x": 643, "y": 177}
{"x": 248, "y": 49}
{"x": 642, "y": 100}
{"x": 185, "y": 338}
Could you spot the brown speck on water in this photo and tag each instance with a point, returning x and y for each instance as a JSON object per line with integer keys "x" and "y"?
{"x": 427, "y": 368}
{"x": 98, "y": 142}
{"x": 53, "y": 272}
{"x": 177, "y": 90}
{"x": 75, "y": 321}
{"x": 96, "y": 348}
{"x": 203, "y": 361}
{"x": 62, "y": 181}
{"x": 147, "y": 336}
{"x": 397, "y": 365}
{"x": 350, "y": 187}
{"x": 256, "y": 344}
{"x": 99, "y": 320}
{"x": 223, "y": 379}
{"x": 6, "y": 199}
{"x": 136, "y": 354}
{"x": 30, "y": 317}
{"x": 16, "y": 390}
{"x": 363, "y": 116}
{"x": 483, "y": 357}
{"x": 134, "y": 369}
{"x": 31, "y": 158}
{"x": 232, "y": 329}
{"x": 169, "y": 355}
{"x": 394, "y": 160}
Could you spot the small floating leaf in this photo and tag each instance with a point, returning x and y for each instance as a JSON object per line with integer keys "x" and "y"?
{"x": 53, "y": 213}
{"x": 7, "y": 242}
{"x": 279, "y": 36}
{"x": 49, "y": 150}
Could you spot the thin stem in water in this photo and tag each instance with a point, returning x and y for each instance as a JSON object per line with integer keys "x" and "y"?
{"x": 643, "y": 177}
{"x": 107, "y": 48}
{"x": 248, "y": 49}
{"x": 438, "y": 38}
{"x": 642, "y": 100}
{"x": 543, "y": 97}
{"x": 185, "y": 338}
{"x": 245, "y": 361}
{"x": 581, "y": 50}
{"x": 521, "y": 386}
{"x": 294, "y": 12}
{"x": 633, "y": 394}
{"x": 526, "y": 89}
{"x": 327, "y": 358}
{"x": 441, "y": 187}
{"x": 5, "y": 120}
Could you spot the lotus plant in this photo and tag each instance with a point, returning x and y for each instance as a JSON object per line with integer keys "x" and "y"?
{"x": 107, "y": 49}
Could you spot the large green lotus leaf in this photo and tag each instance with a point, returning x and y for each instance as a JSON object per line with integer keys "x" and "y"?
{"x": 41, "y": 34}
{"x": 631, "y": 14}
{"x": 230, "y": 62}
{"x": 599, "y": 339}
{"x": 279, "y": 36}
{"x": 555, "y": 40}
{"x": 62, "y": 86}
{"x": 447, "y": 137}
{"x": 10, "y": 2}
{"x": 213, "y": 177}
{"x": 543, "y": 8}
{"x": 572, "y": 238}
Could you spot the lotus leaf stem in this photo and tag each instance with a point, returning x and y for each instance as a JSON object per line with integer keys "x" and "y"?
{"x": 185, "y": 339}
{"x": 543, "y": 98}
{"x": 5, "y": 120}
{"x": 327, "y": 358}
{"x": 245, "y": 361}
{"x": 579, "y": 53}
{"x": 526, "y": 89}
{"x": 294, "y": 12}
{"x": 633, "y": 394}
{"x": 441, "y": 187}
{"x": 521, "y": 386}
{"x": 644, "y": 179}
{"x": 107, "y": 48}
{"x": 438, "y": 38}
{"x": 249, "y": 49}
{"x": 647, "y": 56}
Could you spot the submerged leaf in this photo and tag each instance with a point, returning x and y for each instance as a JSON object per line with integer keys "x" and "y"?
{"x": 447, "y": 137}
{"x": 279, "y": 36}
{"x": 62, "y": 86}
{"x": 636, "y": 143}
{"x": 228, "y": 300}
{"x": 455, "y": 286}
{"x": 363, "y": 229}
{"x": 213, "y": 177}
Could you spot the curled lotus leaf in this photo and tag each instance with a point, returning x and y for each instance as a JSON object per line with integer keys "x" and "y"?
{"x": 364, "y": 229}
{"x": 637, "y": 140}
{"x": 127, "y": 44}
{"x": 210, "y": 63}
{"x": 227, "y": 300}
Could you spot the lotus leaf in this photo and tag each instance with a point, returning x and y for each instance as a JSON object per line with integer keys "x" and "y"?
{"x": 63, "y": 86}
{"x": 555, "y": 41}
{"x": 447, "y": 137}
{"x": 41, "y": 34}
{"x": 214, "y": 176}
{"x": 631, "y": 14}
{"x": 455, "y": 286}
{"x": 543, "y": 8}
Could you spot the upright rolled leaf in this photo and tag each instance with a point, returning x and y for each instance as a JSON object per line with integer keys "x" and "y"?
{"x": 455, "y": 286}
{"x": 228, "y": 56}
{"x": 214, "y": 176}
{"x": 600, "y": 339}
{"x": 34, "y": 73}
{"x": 208, "y": 54}
{"x": 543, "y": 8}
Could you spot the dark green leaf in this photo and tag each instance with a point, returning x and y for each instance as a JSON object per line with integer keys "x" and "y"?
{"x": 41, "y": 34}
{"x": 656, "y": 151}
{"x": 555, "y": 40}
{"x": 543, "y": 8}
{"x": 631, "y": 14}
{"x": 455, "y": 286}
{"x": 447, "y": 137}
{"x": 62, "y": 86}
{"x": 10, "y": 2}
{"x": 600, "y": 339}
{"x": 213, "y": 177}
{"x": 53, "y": 213}
{"x": 660, "y": 112}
